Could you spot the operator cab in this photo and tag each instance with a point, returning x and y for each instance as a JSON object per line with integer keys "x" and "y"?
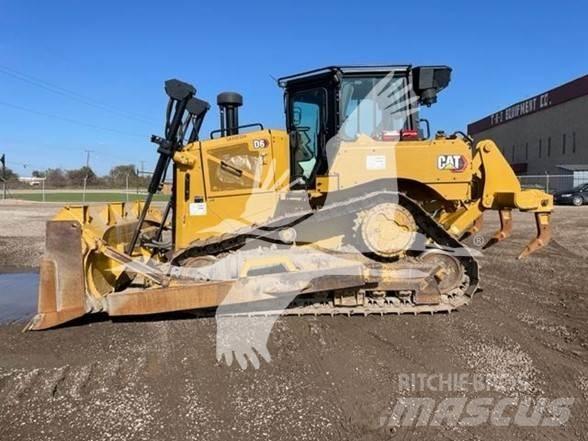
{"x": 333, "y": 104}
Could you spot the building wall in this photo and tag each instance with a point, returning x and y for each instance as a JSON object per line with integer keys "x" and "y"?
{"x": 527, "y": 139}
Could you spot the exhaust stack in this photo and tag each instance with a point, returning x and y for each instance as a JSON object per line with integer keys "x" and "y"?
{"x": 229, "y": 103}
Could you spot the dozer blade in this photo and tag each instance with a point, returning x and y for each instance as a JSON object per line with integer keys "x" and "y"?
{"x": 244, "y": 293}
{"x": 61, "y": 282}
{"x": 543, "y": 235}
{"x": 505, "y": 228}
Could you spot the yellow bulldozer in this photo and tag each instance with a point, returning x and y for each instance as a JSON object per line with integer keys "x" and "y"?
{"x": 355, "y": 208}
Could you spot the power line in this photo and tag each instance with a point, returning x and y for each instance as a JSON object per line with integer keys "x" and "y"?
{"x": 70, "y": 94}
{"x": 21, "y": 164}
{"x": 71, "y": 121}
{"x": 104, "y": 154}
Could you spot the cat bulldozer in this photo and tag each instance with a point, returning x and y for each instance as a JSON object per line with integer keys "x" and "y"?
{"x": 355, "y": 208}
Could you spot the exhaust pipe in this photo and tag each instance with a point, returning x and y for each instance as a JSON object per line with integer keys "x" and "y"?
{"x": 229, "y": 103}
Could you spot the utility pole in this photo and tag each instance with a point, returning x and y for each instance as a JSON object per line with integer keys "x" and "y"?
{"x": 3, "y": 160}
{"x": 88, "y": 157}
{"x": 140, "y": 180}
{"x": 87, "y": 173}
{"x": 127, "y": 186}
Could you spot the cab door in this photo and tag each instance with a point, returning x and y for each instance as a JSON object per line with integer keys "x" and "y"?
{"x": 307, "y": 128}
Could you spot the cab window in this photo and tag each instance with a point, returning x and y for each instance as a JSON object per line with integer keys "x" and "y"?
{"x": 307, "y": 114}
{"x": 374, "y": 105}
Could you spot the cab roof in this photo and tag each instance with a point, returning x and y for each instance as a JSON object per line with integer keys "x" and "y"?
{"x": 349, "y": 69}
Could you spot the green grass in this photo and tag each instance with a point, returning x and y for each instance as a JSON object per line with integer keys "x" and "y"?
{"x": 76, "y": 197}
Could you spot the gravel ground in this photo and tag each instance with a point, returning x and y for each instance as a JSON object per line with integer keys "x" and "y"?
{"x": 22, "y": 233}
{"x": 525, "y": 334}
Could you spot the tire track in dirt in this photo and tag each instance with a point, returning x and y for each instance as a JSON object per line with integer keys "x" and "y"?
{"x": 68, "y": 395}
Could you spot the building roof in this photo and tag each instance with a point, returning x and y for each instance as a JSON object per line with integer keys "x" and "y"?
{"x": 30, "y": 179}
{"x": 574, "y": 167}
{"x": 559, "y": 95}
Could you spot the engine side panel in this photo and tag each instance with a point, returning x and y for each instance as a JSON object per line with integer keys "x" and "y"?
{"x": 227, "y": 183}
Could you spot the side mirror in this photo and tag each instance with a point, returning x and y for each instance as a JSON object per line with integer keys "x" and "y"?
{"x": 428, "y": 81}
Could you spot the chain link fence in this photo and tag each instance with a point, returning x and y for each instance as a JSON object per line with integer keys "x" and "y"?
{"x": 78, "y": 195}
{"x": 553, "y": 183}
{"x": 545, "y": 182}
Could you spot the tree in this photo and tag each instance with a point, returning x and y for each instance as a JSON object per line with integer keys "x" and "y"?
{"x": 56, "y": 178}
{"x": 119, "y": 173}
{"x": 9, "y": 175}
{"x": 38, "y": 174}
{"x": 77, "y": 176}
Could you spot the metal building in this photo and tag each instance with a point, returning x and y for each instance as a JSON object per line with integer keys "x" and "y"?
{"x": 544, "y": 135}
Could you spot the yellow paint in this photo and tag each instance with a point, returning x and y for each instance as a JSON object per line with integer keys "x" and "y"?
{"x": 238, "y": 178}
{"x": 111, "y": 225}
{"x": 241, "y": 184}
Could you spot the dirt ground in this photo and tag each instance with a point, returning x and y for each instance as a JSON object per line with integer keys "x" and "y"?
{"x": 329, "y": 378}
{"x": 22, "y": 233}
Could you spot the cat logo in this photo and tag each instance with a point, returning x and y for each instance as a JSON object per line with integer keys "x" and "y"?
{"x": 260, "y": 144}
{"x": 455, "y": 163}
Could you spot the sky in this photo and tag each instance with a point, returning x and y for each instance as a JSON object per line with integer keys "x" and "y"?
{"x": 88, "y": 76}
